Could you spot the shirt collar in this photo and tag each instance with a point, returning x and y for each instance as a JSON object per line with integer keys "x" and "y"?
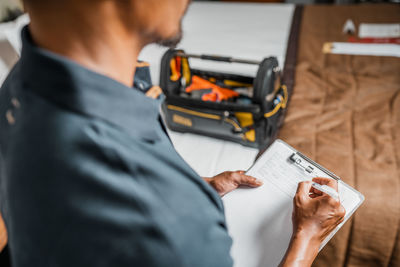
{"x": 81, "y": 90}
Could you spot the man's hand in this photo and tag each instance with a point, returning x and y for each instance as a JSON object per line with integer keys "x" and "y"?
{"x": 228, "y": 181}
{"x": 315, "y": 215}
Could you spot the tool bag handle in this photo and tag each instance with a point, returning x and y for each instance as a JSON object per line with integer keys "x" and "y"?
{"x": 219, "y": 58}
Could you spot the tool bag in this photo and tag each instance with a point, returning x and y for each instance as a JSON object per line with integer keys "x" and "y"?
{"x": 250, "y": 120}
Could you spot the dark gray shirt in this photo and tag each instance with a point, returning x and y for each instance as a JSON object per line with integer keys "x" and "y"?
{"x": 88, "y": 176}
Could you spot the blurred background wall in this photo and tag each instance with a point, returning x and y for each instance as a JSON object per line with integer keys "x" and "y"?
{"x": 9, "y": 9}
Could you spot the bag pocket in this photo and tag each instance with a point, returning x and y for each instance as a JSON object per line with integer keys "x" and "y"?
{"x": 227, "y": 125}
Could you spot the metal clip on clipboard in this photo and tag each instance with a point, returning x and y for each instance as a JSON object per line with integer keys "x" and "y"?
{"x": 309, "y": 165}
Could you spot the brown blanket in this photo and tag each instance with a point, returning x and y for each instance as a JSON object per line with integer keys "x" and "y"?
{"x": 345, "y": 114}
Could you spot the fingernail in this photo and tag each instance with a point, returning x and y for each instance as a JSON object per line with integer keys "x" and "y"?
{"x": 259, "y": 181}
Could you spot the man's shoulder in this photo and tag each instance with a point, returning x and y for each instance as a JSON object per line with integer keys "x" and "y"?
{"x": 51, "y": 152}
{"x": 37, "y": 132}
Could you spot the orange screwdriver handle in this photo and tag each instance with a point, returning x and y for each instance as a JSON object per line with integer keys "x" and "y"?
{"x": 199, "y": 84}
{"x": 210, "y": 97}
{"x": 218, "y": 93}
{"x": 225, "y": 94}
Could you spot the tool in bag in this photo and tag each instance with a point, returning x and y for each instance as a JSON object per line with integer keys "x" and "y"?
{"x": 227, "y": 106}
{"x": 217, "y": 93}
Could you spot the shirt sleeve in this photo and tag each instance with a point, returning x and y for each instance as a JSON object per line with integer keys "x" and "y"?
{"x": 75, "y": 204}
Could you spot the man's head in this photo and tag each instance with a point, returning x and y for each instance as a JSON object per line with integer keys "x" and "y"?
{"x": 155, "y": 21}
{"x": 105, "y": 36}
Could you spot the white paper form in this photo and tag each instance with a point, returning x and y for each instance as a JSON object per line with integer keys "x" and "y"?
{"x": 260, "y": 220}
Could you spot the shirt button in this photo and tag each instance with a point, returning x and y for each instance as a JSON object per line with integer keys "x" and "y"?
{"x": 15, "y": 102}
{"x": 10, "y": 117}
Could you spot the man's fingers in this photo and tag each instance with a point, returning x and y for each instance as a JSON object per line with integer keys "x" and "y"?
{"x": 314, "y": 195}
{"x": 326, "y": 181}
{"x": 249, "y": 181}
{"x": 304, "y": 188}
{"x": 315, "y": 191}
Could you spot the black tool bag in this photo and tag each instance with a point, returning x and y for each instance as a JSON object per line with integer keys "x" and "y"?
{"x": 251, "y": 120}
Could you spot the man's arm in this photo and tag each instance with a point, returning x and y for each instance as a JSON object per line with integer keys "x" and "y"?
{"x": 315, "y": 216}
{"x": 80, "y": 207}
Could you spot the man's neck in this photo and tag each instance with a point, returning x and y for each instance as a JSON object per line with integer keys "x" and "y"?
{"x": 95, "y": 41}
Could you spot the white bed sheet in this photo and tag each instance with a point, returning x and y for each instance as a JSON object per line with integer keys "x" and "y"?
{"x": 242, "y": 30}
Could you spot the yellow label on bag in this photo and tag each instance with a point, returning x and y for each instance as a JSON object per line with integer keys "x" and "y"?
{"x": 182, "y": 120}
{"x": 246, "y": 119}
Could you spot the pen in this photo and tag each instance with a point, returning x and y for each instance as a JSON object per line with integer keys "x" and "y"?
{"x": 326, "y": 189}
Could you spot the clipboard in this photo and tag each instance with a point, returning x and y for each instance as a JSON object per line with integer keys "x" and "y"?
{"x": 260, "y": 220}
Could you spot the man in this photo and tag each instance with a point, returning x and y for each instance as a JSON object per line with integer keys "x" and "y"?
{"x": 88, "y": 174}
